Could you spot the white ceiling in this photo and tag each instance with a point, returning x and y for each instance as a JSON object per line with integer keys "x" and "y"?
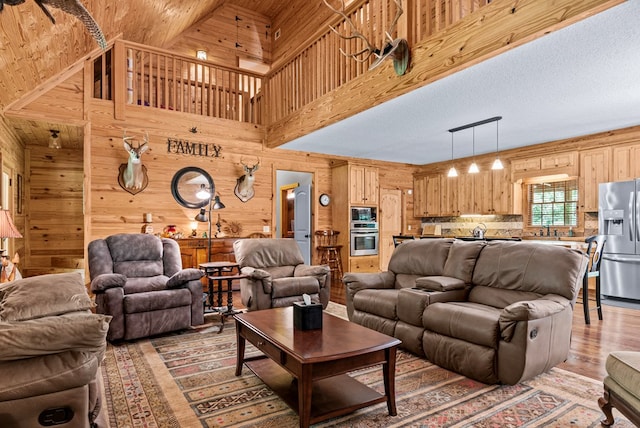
{"x": 577, "y": 81}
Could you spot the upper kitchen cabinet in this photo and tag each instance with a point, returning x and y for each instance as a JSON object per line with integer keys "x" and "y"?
{"x": 502, "y": 192}
{"x": 539, "y": 166}
{"x": 449, "y": 195}
{"x": 594, "y": 169}
{"x": 626, "y": 163}
{"x": 426, "y": 196}
{"x": 363, "y": 185}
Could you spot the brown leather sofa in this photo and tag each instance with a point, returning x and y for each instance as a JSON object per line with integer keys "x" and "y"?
{"x": 138, "y": 279}
{"x": 277, "y": 275}
{"x": 51, "y": 348}
{"x": 497, "y": 312}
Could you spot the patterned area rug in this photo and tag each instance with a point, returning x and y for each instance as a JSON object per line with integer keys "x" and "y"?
{"x": 188, "y": 380}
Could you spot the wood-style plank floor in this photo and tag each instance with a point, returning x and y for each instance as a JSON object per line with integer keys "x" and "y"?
{"x": 590, "y": 344}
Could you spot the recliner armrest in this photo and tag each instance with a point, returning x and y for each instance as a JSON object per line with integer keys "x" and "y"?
{"x": 528, "y": 310}
{"x": 320, "y": 272}
{"x": 107, "y": 280}
{"x": 183, "y": 276}
{"x": 259, "y": 275}
{"x": 360, "y": 281}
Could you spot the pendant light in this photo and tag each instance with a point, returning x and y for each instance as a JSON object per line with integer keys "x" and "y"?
{"x": 473, "y": 168}
{"x": 452, "y": 171}
{"x": 497, "y": 164}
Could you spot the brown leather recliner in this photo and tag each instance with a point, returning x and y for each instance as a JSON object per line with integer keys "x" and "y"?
{"x": 277, "y": 275}
{"x": 497, "y": 312}
{"x": 138, "y": 279}
{"x": 51, "y": 348}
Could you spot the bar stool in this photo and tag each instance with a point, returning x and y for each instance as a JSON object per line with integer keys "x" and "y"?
{"x": 329, "y": 251}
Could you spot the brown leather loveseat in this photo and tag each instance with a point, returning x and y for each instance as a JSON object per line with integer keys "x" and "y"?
{"x": 497, "y": 312}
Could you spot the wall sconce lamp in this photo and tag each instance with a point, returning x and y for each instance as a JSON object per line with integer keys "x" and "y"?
{"x": 54, "y": 139}
{"x": 201, "y": 54}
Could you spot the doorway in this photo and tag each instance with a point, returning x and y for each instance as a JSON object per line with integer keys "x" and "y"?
{"x": 293, "y": 209}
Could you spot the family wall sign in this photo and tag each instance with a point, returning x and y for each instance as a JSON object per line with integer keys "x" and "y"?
{"x": 190, "y": 148}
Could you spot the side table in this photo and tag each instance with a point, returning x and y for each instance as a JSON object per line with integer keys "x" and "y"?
{"x": 221, "y": 274}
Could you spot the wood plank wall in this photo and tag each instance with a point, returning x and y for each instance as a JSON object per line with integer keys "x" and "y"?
{"x": 54, "y": 234}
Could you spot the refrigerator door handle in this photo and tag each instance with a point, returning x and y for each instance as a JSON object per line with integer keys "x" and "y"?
{"x": 632, "y": 203}
{"x": 637, "y": 212}
{"x": 616, "y": 258}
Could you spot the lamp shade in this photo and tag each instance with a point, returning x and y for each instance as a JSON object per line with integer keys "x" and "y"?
{"x": 217, "y": 204}
{"x": 202, "y": 216}
{"x": 7, "y": 228}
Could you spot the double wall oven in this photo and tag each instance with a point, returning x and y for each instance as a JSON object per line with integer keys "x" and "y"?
{"x": 364, "y": 232}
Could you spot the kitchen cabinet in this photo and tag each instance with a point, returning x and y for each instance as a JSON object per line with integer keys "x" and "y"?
{"x": 525, "y": 165}
{"x": 426, "y": 196}
{"x": 363, "y": 185}
{"x": 559, "y": 160}
{"x": 626, "y": 163}
{"x": 486, "y": 192}
{"x": 556, "y": 163}
{"x": 353, "y": 185}
{"x": 594, "y": 169}
{"x": 364, "y": 264}
{"x": 502, "y": 192}
{"x": 449, "y": 195}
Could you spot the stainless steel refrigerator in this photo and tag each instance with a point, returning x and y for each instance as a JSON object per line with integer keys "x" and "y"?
{"x": 619, "y": 219}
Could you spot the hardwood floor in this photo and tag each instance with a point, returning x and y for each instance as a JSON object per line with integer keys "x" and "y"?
{"x": 590, "y": 344}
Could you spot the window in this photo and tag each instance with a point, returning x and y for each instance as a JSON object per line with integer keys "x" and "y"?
{"x": 553, "y": 204}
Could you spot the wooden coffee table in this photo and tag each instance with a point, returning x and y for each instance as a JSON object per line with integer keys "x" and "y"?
{"x": 307, "y": 369}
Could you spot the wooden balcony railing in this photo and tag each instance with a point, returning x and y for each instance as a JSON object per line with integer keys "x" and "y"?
{"x": 155, "y": 78}
{"x": 320, "y": 67}
{"x": 158, "y": 79}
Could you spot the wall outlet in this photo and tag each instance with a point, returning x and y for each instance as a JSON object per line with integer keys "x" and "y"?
{"x": 266, "y": 229}
{"x": 409, "y": 227}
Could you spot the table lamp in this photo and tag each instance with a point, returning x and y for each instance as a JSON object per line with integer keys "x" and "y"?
{"x": 7, "y": 230}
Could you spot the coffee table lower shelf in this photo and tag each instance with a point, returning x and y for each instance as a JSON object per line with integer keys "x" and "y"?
{"x": 334, "y": 396}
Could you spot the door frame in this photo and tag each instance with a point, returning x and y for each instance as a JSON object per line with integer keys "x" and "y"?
{"x": 276, "y": 203}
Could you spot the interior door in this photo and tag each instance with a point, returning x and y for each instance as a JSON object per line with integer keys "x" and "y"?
{"x": 390, "y": 223}
{"x": 302, "y": 220}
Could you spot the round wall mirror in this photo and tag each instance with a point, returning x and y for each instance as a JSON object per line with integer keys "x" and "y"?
{"x": 188, "y": 182}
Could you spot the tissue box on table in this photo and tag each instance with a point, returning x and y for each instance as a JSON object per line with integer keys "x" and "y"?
{"x": 307, "y": 317}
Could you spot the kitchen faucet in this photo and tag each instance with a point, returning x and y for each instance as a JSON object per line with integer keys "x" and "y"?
{"x": 548, "y": 233}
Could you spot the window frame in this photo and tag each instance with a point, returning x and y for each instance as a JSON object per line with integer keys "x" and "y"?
{"x": 527, "y": 211}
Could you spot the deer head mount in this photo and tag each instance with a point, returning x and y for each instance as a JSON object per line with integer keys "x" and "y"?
{"x": 244, "y": 184}
{"x": 397, "y": 49}
{"x": 132, "y": 175}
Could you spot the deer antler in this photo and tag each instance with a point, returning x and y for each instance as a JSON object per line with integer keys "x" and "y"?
{"x": 369, "y": 48}
{"x": 392, "y": 28}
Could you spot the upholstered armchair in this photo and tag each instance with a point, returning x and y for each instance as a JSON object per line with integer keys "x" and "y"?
{"x": 138, "y": 279}
{"x": 277, "y": 275}
{"x": 51, "y": 348}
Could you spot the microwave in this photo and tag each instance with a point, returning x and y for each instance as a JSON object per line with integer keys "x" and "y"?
{"x": 363, "y": 214}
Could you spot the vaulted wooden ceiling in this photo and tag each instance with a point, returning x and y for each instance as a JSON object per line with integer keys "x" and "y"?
{"x": 32, "y": 49}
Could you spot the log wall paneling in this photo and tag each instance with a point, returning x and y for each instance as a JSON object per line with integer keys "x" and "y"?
{"x": 55, "y": 220}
